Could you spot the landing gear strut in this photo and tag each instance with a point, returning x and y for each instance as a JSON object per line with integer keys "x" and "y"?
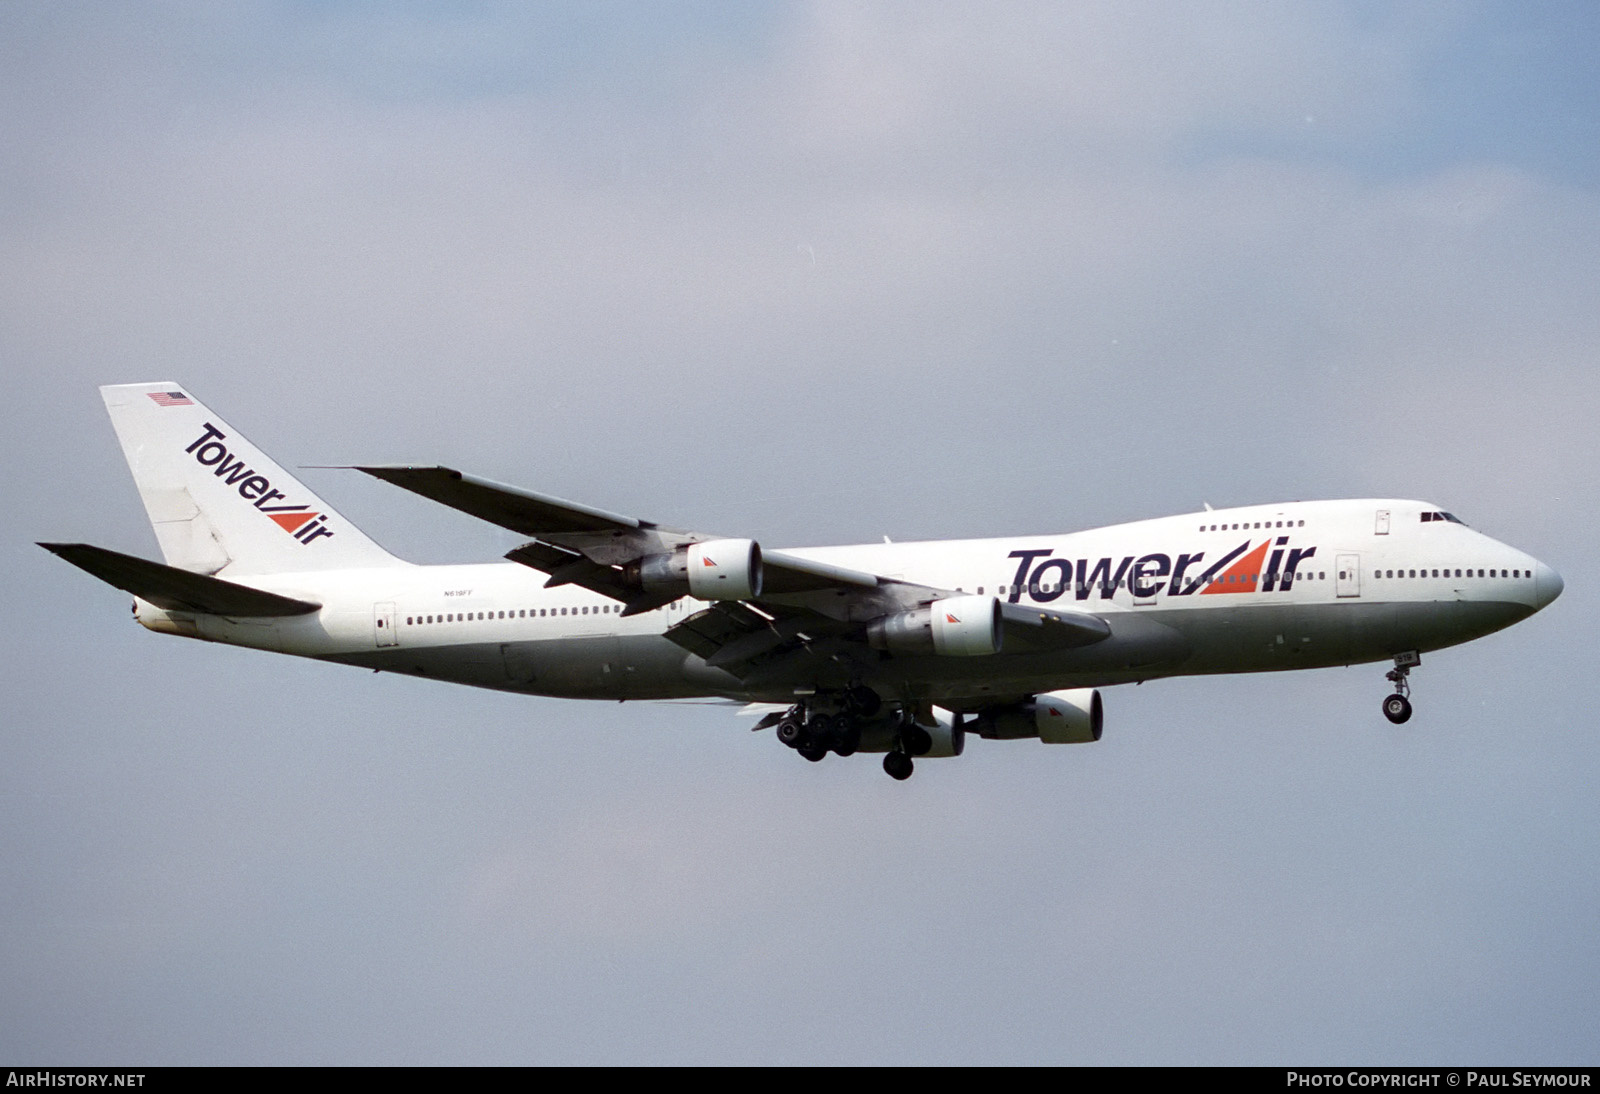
{"x": 910, "y": 740}
{"x": 1397, "y": 707}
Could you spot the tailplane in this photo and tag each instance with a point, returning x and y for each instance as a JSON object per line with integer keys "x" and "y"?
{"x": 217, "y": 501}
{"x": 175, "y": 590}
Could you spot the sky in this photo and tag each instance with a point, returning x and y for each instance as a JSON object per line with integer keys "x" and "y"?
{"x": 810, "y": 273}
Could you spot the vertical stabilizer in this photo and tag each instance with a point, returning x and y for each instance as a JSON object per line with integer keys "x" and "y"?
{"x": 217, "y": 501}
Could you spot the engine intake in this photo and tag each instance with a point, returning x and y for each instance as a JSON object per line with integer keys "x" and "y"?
{"x": 1055, "y": 717}
{"x": 718, "y": 569}
{"x": 957, "y": 626}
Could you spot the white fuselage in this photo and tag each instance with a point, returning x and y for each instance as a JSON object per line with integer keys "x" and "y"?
{"x": 1262, "y": 588}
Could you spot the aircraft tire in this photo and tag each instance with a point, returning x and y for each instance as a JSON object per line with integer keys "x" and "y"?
{"x": 898, "y": 766}
{"x": 1397, "y": 708}
{"x": 791, "y": 732}
{"x": 812, "y": 754}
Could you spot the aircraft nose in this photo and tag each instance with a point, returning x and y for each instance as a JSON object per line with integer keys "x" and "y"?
{"x": 1547, "y": 585}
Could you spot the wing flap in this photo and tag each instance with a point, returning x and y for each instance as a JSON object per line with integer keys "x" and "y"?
{"x": 706, "y": 632}
{"x": 177, "y": 590}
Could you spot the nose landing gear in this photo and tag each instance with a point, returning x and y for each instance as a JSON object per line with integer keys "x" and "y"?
{"x": 1397, "y": 707}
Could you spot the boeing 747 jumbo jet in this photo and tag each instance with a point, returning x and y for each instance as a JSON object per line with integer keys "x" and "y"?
{"x": 899, "y": 648}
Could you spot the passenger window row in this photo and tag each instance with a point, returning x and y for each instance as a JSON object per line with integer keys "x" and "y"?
{"x": 1246, "y": 525}
{"x": 1446, "y": 572}
{"x": 520, "y": 613}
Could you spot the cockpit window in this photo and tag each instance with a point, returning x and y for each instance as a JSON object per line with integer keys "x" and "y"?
{"x": 1451, "y": 517}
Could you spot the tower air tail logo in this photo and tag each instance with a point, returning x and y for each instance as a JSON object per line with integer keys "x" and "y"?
{"x": 300, "y": 521}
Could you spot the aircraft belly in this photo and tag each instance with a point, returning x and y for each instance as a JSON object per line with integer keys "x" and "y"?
{"x": 1266, "y": 638}
{"x": 476, "y": 663}
{"x": 628, "y": 667}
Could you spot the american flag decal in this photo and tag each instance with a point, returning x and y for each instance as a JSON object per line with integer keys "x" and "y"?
{"x": 170, "y": 398}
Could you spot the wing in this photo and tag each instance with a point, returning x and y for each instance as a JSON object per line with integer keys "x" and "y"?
{"x": 793, "y": 609}
{"x": 580, "y": 545}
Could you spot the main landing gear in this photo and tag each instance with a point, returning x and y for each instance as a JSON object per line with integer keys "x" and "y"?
{"x": 1397, "y": 707}
{"x": 814, "y": 732}
{"x": 815, "y": 735}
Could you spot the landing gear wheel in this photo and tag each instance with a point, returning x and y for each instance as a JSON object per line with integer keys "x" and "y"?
{"x": 812, "y": 754}
{"x": 898, "y": 766}
{"x": 791, "y": 732}
{"x": 916, "y": 740}
{"x": 1397, "y": 708}
{"x": 847, "y": 738}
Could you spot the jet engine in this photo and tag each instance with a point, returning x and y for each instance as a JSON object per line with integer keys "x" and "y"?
{"x": 1055, "y": 717}
{"x": 949, "y": 736}
{"x": 957, "y": 626}
{"x": 717, "y": 569}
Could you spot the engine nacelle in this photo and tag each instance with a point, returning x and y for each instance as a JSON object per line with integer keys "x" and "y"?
{"x": 1055, "y": 717}
{"x": 718, "y": 569}
{"x": 946, "y": 737}
{"x": 957, "y": 626}
{"x": 1073, "y": 717}
{"x": 725, "y": 569}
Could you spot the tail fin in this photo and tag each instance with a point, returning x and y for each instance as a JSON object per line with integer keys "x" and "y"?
{"x": 217, "y": 501}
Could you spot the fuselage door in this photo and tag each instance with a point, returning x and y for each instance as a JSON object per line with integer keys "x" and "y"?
{"x": 1348, "y": 575}
{"x": 1382, "y": 526}
{"x": 383, "y": 630}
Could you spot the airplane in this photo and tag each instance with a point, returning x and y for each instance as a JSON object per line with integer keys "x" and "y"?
{"x": 903, "y": 649}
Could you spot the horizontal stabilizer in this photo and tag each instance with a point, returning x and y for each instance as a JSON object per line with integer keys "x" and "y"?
{"x": 177, "y": 590}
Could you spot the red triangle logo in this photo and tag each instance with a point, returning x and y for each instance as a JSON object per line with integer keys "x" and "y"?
{"x": 291, "y": 522}
{"x": 1242, "y": 576}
